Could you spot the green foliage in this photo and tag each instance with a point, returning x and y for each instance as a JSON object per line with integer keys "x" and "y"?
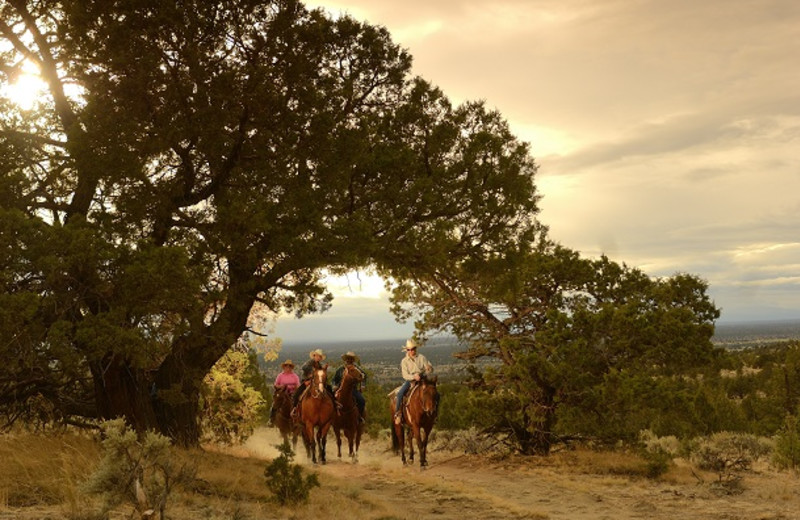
{"x": 658, "y": 452}
{"x": 727, "y": 453}
{"x": 377, "y": 406}
{"x": 286, "y": 480}
{"x": 139, "y": 471}
{"x": 787, "y": 444}
{"x": 221, "y": 156}
{"x": 585, "y": 347}
{"x": 233, "y": 402}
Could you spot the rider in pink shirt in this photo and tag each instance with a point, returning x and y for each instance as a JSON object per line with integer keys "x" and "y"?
{"x": 286, "y": 380}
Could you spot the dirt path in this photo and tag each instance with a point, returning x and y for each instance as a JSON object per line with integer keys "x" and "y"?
{"x": 461, "y": 487}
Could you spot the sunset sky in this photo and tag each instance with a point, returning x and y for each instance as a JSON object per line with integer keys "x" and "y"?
{"x": 667, "y": 135}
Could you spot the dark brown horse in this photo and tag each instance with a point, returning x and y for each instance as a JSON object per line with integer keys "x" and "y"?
{"x": 419, "y": 415}
{"x": 316, "y": 415}
{"x": 282, "y": 403}
{"x": 348, "y": 418}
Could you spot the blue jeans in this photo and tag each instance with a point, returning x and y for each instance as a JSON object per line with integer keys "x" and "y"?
{"x": 361, "y": 403}
{"x": 400, "y": 394}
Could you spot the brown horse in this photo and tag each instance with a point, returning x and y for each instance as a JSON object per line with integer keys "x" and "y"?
{"x": 348, "y": 418}
{"x": 316, "y": 414}
{"x": 282, "y": 403}
{"x": 419, "y": 415}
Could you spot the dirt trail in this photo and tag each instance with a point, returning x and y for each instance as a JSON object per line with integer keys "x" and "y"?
{"x": 462, "y": 487}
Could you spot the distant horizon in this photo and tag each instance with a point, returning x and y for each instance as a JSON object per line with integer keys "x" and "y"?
{"x": 336, "y": 344}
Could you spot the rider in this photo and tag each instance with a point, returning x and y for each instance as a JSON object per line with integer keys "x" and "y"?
{"x": 350, "y": 359}
{"x": 287, "y": 380}
{"x": 413, "y": 367}
{"x": 316, "y": 357}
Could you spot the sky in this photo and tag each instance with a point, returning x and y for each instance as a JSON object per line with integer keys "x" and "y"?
{"x": 667, "y": 135}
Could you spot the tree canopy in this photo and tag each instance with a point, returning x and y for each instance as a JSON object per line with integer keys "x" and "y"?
{"x": 191, "y": 161}
{"x": 581, "y": 345}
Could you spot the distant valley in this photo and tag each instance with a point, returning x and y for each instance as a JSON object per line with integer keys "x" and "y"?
{"x": 382, "y": 357}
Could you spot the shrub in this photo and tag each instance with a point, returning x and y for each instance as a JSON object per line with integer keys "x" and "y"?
{"x": 286, "y": 480}
{"x": 657, "y": 452}
{"x": 787, "y": 444}
{"x": 728, "y": 454}
{"x": 138, "y": 470}
{"x": 231, "y": 406}
{"x": 471, "y": 441}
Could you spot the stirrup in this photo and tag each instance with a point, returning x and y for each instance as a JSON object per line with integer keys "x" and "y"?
{"x": 398, "y": 417}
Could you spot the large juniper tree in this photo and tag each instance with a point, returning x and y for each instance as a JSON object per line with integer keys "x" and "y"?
{"x": 582, "y": 347}
{"x": 190, "y": 160}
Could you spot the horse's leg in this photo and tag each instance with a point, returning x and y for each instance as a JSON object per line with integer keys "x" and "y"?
{"x": 308, "y": 437}
{"x": 351, "y": 439}
{"x": 400, "y": 432}
{"x": 322, "y": 440}
{"x": 413, "y": 436}
{"x": 359, "y": 431}
{"x": 422, "y": 444}
{"x": 337, "y": 432}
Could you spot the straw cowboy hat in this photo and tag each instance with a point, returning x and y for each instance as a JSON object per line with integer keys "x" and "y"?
{"x": 410, "y": 345}
{"x": 318, "y": 351}
{"x": 287, "y": 363}
{"x": 350, "y": 355}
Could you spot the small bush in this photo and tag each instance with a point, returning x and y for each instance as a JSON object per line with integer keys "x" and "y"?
{"x": 140, "y": 471}
{"x": 286, "y": 480}
{"x": 787, "y": 444}
{"x": 728, "y": 454}
{"x": 657, "y": 452}
{"x": 470, "y": 441}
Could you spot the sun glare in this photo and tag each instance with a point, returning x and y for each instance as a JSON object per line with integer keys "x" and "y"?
{"x": 356, "y": 285}
{"x": 26, "y": 88}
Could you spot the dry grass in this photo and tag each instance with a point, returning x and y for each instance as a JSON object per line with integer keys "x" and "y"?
{"x": 44, "y": 469}
{"x": 41, "y": 477}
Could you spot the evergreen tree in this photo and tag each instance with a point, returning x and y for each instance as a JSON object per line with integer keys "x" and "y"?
{"x": 190, "y": 160}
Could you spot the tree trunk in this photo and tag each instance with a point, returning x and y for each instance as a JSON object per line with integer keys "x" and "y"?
{"x": 177, "y": 402}
{"x": 537, "y": 437}
{"x": 124, "y": 391}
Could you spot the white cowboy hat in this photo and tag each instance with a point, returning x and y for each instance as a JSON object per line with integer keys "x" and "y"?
{"x": 287, "y": 363}
{"x": 350, "y": 355}
{"x": 318, "y": 352}
{"x": 410, "y": 345}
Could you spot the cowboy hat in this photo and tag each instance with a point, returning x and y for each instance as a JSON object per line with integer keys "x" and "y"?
{"x": 410, "y": 345}
{"x": 287, "y": 363}
{"x": 350, "y": 355}
{"x": 318, "y": 352}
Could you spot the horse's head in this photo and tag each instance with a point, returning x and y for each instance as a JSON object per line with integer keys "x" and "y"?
{"x": 428, "y": 394}
{"x": 320, "y": 378}
{"x": 350, "y": 371}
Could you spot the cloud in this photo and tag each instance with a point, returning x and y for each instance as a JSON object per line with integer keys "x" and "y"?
{"x": 666, "y": 132}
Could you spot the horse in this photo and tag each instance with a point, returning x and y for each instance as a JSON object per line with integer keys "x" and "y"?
{"x": 348, "y": 418}
{"x": 282, "y": 403}
{"x": 316, "y": 415}
{"x": 419, "y": 414}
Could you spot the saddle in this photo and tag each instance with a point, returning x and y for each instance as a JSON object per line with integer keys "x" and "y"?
{"x": 411, "y": 389}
